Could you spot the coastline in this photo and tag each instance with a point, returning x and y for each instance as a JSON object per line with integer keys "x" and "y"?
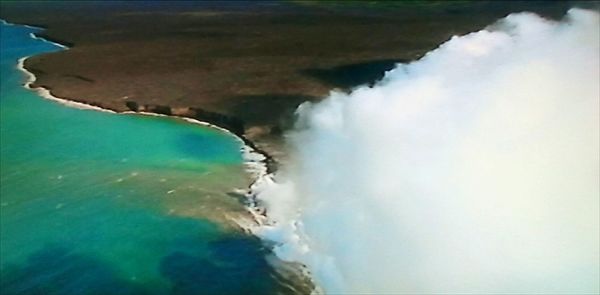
{"x": 34, "y": 36}
{"x": 4, "y": 22}
{"x": 45, "y": 93}
{"x": 257, "y": 163}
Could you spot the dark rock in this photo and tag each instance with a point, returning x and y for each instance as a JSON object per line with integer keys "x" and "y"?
{"x": 159, "y": 109}
{"x": 232, "y": 124}
{"x": 132, "y": 105}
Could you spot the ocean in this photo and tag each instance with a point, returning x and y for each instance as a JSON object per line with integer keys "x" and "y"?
{"x": 102, "y": 203}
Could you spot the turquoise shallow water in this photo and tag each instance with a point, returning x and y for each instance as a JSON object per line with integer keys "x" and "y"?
{"x": 100, "y": 203}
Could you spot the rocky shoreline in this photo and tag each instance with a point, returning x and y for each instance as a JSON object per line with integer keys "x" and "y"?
{"x": 258, "y": 163}
{"x": 229, "y": 124}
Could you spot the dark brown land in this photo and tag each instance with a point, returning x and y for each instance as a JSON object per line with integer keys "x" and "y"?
{"x": 241, "y": 65}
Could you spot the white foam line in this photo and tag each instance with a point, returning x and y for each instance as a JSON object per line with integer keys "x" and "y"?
{"x": 33, "y": 36}
{"x": 4, "y": 22}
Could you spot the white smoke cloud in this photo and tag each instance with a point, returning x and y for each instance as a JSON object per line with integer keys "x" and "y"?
{"x": 472, "y": 170}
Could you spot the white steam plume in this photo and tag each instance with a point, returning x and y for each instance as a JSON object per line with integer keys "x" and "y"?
{"x": 472, "y": 170}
